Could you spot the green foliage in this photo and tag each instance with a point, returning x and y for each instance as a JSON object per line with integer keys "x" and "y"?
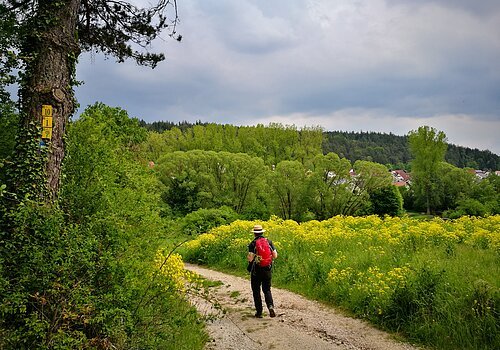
{"x": 387, "y": 201}
{"x": 377, "y": 147}
{"x": 487, "y": 191}
{"x": 25, "y": 175}
{"x": 46, "y": 266}
{"x": 368, "y": 177}
{"x": 371, "y": 146}
{"x": 114, "y": 123}
{"x": 273, "y": 143}
{"x": 202, "y": 220}
{"x": 100, "y": 141}
{"x": 465, "y": 157}
{"x": 182, "y": 194}
{"x": 465, "y": 195}
{"x": 120, "y": 198}
{"x": 428, "y": 147}
{"x": 287, "y": 185}
{"x": 470, "y": 207}
{"x": 327, "y": 189}
{"x": 82, "y": 274}
{"x": 8, "y": 129}
{"x": 206, "y": 179}
{"x": 328, "y": 185}
{"x": 161, "y": 126}
{"x": 393, "y": 150}
{"x": 452, "y": 185}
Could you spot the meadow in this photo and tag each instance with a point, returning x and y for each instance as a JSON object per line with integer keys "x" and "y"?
{"x": 435, "y": 282}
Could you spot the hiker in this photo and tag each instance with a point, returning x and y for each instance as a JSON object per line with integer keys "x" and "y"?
{"x": 261, "y": 253}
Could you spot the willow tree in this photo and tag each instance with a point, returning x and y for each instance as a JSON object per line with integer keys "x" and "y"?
{"x": 428, "y": 148}
{"x": 50, "y": 36}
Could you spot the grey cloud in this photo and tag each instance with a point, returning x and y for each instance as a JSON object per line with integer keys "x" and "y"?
{"x": 247, "y": 28}
{"x": 254, "y": 60}
{"x": 478, "y": 7}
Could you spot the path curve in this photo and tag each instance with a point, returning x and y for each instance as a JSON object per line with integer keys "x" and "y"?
{"x": 299, "y": 323}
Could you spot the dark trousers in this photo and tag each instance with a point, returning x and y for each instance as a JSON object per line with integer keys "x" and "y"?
{"x": 261, "y": 277}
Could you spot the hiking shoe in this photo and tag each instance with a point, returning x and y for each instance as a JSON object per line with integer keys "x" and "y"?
{"x": 258, "y": 315}
{"x": 271, "y": 312}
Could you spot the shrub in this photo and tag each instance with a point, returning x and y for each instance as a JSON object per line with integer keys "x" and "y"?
{"x": 202, "y": 220}
{"x": 386, "y": 201}
{"x": 470, "y": 207}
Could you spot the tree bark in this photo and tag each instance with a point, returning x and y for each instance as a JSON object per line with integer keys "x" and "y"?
{"x": 49, "y": 80}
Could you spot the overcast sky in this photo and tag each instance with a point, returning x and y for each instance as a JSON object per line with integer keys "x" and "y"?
{"x": 350, "y": 65}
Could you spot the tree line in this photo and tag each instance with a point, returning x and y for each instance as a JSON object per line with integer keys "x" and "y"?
{"x": 323, "y": 188}
{"x": 258, "y": 171}
{"x": 273, "y": 143}
{"x": 438, "y": 187}
{"x": 389, "y": 149}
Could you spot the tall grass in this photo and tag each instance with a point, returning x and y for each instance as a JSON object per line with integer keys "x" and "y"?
{"x": 436, "y": 282}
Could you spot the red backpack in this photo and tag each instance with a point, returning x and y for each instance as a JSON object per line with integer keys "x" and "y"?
{"x": 263, "y": 251}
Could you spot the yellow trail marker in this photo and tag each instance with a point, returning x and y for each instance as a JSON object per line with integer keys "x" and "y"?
{"x": 47, "y": 133}
{"x": 46, "y": 111}
{"x": 47, "y": 122}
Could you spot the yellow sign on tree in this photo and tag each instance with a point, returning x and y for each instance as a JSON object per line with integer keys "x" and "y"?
{"x": 47, "y": 133}
{"x": 46, "y": 111}
{"x": 47, "y": 122}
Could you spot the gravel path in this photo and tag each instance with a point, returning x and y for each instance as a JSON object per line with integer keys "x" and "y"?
{"x": 299, "y": 323}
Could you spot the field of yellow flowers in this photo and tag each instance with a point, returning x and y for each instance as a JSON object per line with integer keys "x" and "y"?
{"x": 437, "y": 282}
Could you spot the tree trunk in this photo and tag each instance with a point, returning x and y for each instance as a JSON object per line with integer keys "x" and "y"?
{"x": 49, "y": 81}
{"x": 428, "y": 199}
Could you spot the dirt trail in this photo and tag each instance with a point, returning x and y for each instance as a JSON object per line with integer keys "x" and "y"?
{"x": 299, "y": 323}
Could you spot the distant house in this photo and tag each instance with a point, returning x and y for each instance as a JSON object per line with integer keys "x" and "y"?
{"x": 480, "y": 174}
{"x": 400, "y": 178}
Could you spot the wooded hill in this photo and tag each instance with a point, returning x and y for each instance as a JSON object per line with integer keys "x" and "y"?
{"x": 393, "y": 149}
{"x": 377, "y": 147}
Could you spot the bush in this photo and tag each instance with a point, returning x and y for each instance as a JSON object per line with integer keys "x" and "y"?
{"x": 470, "y": 207}
{"x": 386, "y": 201}
{"x": 42, "y": 262}
{"x": 203, "y": 220}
